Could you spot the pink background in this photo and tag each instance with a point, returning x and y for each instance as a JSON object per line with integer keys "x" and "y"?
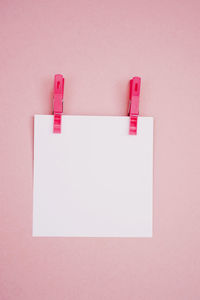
{"x": 98, "y": 46}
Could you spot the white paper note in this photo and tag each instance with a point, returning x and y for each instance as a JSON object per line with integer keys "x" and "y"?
{"x": 93, "y": 179}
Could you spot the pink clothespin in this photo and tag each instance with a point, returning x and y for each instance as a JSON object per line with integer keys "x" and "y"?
{"x": 134, "y": 104}
{"x": 58, "y": 102}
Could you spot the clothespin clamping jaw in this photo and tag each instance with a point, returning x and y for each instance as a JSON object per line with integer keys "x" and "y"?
{"x": 134, "y": 104}
{"x": 58, "y": 102}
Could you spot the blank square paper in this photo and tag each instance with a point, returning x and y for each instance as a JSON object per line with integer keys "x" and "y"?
{"x": 93, "y": 179}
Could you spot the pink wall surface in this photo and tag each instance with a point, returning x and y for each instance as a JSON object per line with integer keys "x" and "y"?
{"x": 98, "y": 46}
